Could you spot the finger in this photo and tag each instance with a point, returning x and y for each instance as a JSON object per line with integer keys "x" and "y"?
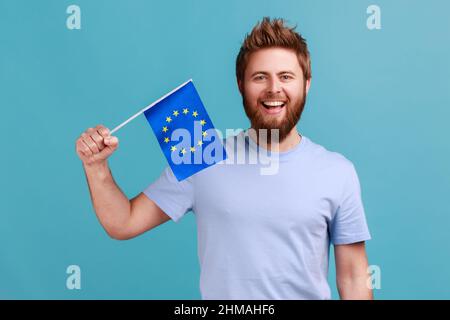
{"x": 78, "y": 148}
{"x": 98, "y": 139}
{"x": 84, "y": 148}
{"x": 90, "y": 143}
{"x": 103, "y": 131}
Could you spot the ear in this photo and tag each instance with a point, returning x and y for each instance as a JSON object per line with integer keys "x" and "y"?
{"x": 308, "y": 84}
{"x": 239, "y": 83}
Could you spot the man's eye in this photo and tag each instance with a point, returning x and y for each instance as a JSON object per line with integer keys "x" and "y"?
{"x": 285, "y": 77}
{"x": 261, "y": 77}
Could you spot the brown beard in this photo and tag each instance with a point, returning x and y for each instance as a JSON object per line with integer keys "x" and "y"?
{"x": 294, "y": 111}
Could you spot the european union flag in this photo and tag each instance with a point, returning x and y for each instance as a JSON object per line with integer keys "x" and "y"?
{"x": 185, "y": 132}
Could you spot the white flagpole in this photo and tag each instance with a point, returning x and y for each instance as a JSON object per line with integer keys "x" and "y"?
{"x": 148, "y": 107}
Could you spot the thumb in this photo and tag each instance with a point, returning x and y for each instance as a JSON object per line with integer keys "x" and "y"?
{"x": 111, "y": 141}
{"x": 111, "y": 144}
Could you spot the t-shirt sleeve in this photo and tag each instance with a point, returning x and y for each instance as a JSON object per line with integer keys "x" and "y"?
{"x": 349, "y": 223}
{"x": 174, "y": 197}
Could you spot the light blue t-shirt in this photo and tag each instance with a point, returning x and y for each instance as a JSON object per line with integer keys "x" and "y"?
{"x": 267, "y": 236}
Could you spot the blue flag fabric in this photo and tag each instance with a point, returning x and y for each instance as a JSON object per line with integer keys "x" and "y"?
{"x": 185, "y": 132}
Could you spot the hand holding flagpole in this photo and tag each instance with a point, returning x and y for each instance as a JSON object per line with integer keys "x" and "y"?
{"x": 185, "y": 157}
{"x": 95, "y": 145}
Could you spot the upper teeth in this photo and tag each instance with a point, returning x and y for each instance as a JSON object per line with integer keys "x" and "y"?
{"x": 273, "y": 103}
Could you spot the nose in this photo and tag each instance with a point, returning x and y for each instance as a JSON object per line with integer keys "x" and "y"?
{"x": 274, "y": 86}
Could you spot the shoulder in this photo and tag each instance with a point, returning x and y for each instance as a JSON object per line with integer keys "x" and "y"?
{"x": 328, "y": 159}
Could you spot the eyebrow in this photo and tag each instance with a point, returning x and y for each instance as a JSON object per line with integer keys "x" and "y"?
{"x": 267, "y": 73}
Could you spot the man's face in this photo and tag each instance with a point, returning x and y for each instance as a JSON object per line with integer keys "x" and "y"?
{"x": 273, "y": 90}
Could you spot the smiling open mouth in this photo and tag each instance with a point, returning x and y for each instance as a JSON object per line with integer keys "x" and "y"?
{"x": 273, "y": 107}
{"x": 273, "y": 104}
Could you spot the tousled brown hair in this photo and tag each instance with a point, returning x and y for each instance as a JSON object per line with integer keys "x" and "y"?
{"x": 273, "y": 33}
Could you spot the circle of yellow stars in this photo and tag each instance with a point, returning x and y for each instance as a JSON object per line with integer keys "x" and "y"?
{"x": 174, "y": 115}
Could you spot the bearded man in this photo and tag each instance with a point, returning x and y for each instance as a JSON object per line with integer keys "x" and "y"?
{"x": 260, "y": 236}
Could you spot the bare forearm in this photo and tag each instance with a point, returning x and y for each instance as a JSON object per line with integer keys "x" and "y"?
{"x": 354, "y": 288}
{"x": 110, "y": 204}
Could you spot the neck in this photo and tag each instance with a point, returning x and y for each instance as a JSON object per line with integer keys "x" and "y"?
{"x": 292, "y": 139}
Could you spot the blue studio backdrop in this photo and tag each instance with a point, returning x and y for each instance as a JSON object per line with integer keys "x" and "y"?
{"x": 380, "y": 96}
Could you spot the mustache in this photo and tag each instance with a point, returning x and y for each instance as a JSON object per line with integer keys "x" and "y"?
{"x": 274, "y": 97}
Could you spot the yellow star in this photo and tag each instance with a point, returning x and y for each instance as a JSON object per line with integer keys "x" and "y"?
{"x": 202, "y": 122}
{"x": 195, "y": 114}
{"x": 168, "y": 119}
{"x": 192, "y": 149}
{"x": 165, "y": 129}
{"x": 183, "y": 151}
{"x": 166, "y": 140}
{"x": 176, "y": 113}
{"x": 173, "y": 148}
{"x": 204, "y": 133}
{"x": 185, "y": 110}
{"x": 200, "y": 142}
